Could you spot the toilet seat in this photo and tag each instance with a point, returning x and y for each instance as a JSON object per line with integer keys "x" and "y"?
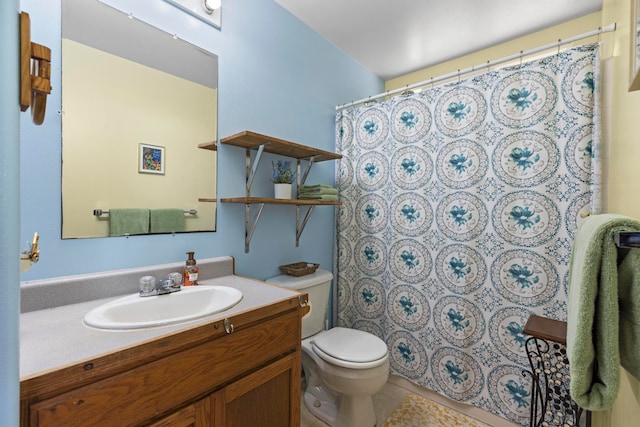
{"x": 350, "y": 348}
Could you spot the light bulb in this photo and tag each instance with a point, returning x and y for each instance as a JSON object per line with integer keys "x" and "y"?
{"x": 210, "y": 5}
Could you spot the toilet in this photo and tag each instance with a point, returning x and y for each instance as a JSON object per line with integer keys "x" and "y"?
{"x": 343, "y": 367}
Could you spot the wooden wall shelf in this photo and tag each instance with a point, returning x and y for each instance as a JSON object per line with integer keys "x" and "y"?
{"x": 268, "y": 144}
{"x": 209, "y": 146}
{"x": 253, "y": 141}
{"x": 269, "y": 201}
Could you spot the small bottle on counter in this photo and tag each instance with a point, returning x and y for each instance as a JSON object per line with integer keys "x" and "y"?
{"x": 190, "y": 273}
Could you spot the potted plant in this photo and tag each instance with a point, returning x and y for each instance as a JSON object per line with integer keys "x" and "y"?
{"x": 283, "y": 176}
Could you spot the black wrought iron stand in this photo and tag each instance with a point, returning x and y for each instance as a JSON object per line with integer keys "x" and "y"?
{"x": 551, "y": 404}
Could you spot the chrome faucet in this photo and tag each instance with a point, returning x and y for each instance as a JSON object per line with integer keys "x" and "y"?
{"x": 150, "y": 287}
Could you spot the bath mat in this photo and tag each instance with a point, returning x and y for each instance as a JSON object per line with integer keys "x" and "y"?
{"x": 418, "y": 411}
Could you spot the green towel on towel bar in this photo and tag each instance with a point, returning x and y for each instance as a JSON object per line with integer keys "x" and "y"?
{"x": 602, "y": 332}
{"x": 167, "y": 220}
{"x": 128, "y": 221}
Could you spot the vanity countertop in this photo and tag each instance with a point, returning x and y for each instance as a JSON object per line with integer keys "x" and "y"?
{"x": 57, "y": 337}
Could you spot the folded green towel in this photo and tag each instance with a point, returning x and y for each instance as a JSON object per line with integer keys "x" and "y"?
{"x": 311, "y": 187}
{"x": 128, "y": 221}
{"x": 319, "y": 191}
{"x": 595, "y": 335}
{"x": 324, "y": 197}
{"x": 166, "y": 220}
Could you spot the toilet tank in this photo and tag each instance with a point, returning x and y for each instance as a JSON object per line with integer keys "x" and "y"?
{"x": 317, "y": 285}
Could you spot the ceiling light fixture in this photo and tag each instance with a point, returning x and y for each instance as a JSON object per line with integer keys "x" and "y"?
{"x": 208, "y": 11}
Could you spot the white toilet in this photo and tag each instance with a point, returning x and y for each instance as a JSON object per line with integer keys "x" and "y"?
{"x": 343, "y": 367}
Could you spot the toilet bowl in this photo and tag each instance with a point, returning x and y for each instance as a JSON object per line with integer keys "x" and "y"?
{"x": 339, "y": 391}
{"x": 343, "y": 368}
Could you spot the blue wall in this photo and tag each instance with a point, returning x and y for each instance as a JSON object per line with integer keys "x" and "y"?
{"x": 9, "y": 212}
{"x": 277, "y": 77}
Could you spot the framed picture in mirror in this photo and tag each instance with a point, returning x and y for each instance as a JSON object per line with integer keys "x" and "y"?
{"x": 151, "y": 159}
{"x": 634, "y": 47}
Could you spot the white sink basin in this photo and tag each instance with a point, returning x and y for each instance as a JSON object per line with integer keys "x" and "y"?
{"x": 134, "y": 311}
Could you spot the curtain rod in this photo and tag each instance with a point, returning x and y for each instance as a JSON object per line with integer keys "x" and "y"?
{"x": 488, "y": 64}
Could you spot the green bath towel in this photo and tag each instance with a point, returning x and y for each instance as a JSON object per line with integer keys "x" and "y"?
{"x": 629, "y": 306}
{"x": 167, "y": 220}
{"x": 128, "y": 221}
{"x": 597, "y": 334}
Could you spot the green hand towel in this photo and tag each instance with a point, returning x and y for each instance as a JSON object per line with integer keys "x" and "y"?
{"x": 167, "y": 220}
{"x": 324, "y": 197}
{"x": 593, "y": 341}
{"x": 128, "y": 221}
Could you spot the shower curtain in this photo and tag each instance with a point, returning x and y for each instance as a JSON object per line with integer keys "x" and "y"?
{"x": 459, "y": 209}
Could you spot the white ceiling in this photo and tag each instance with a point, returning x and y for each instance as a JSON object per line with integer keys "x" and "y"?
{"x": 396, "y": 37}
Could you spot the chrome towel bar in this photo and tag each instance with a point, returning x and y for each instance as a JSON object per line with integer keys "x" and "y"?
{"x": 99, "y": 212}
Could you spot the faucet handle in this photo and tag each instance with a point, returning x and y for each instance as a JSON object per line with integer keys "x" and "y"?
{"x": 176, "y": 277}
{"x": 147, "y": 284}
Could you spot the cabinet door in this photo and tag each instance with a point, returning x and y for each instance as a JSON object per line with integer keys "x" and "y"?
{"x": 195, "y": 415}
{"x": 269, "y": 397}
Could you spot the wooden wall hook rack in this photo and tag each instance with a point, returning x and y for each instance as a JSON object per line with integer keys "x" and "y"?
{"x": 35, "y": 72}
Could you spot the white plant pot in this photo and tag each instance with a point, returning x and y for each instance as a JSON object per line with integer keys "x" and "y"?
{"x": 282, "y": 191}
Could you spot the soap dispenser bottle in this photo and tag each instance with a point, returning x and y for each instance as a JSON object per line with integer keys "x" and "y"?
{"x": 190, "y": 272}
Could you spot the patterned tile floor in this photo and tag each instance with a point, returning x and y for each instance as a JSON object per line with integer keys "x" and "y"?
{"x": 393, "y": 395}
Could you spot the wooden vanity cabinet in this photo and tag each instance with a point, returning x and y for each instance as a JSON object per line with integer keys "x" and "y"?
{"x": 195, "y": 415}
{"x": 241, "y": 371}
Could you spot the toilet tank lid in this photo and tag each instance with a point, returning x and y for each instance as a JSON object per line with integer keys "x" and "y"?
{"x": 301, "y": 282}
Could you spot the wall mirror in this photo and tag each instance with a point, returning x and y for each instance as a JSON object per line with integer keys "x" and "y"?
{"x": 139, "y": 121}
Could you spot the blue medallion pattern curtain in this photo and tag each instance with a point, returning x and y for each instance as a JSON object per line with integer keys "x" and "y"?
{"x": 459, "y": 209}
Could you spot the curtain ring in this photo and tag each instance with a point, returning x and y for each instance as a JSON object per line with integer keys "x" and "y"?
{"x": 431, "y": 83}
{"x": 488, "y": 66}
{"x": 559, "y": 42}
{"x": 521, "y": 52}
{"x": 458, "y": 75}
